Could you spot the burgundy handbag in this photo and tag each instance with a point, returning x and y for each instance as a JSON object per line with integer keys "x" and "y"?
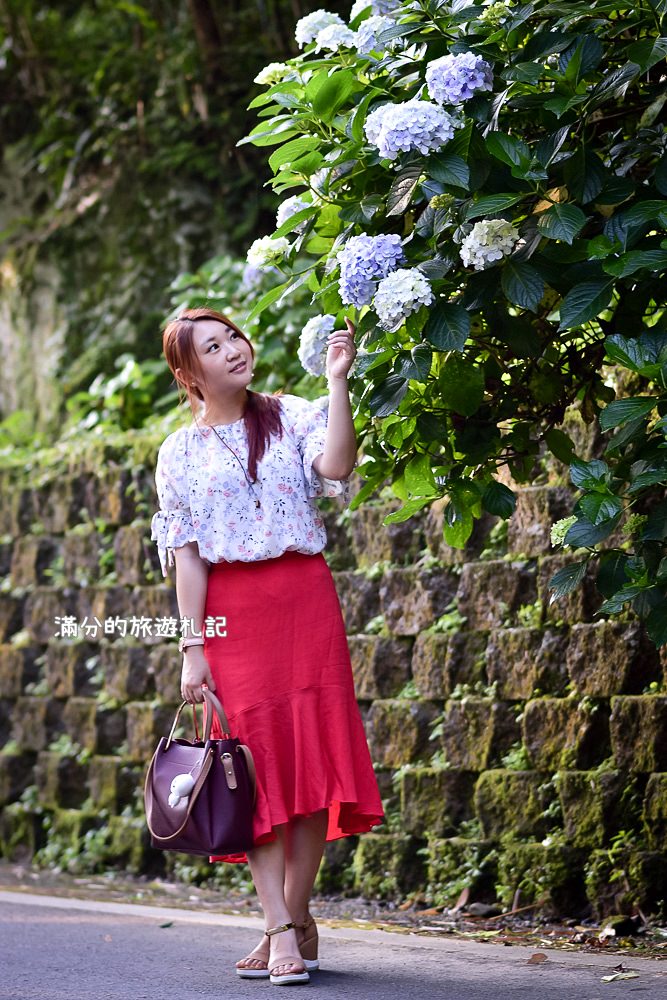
{"x": 199, "y": 795}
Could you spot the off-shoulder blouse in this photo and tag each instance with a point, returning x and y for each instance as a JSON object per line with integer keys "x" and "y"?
{"x": 204, "y": 495}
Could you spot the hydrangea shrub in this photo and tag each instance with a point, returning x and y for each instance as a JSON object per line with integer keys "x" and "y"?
{"x": 514, "y": 159}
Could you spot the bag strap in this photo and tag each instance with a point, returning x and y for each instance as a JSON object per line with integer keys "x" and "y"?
{"x": 252, "y": 773}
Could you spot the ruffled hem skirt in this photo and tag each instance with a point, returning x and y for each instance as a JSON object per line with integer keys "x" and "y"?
{"x": 283, "y": 673}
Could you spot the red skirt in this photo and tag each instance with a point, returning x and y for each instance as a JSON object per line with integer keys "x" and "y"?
{"x": 284, "y": 676}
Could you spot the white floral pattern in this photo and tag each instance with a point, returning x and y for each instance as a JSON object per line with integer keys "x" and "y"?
{"x": 204, "y": 496}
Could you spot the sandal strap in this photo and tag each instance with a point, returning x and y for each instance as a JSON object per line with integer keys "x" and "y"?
{"x": 289, "y": 960}
{"x": 308, "y": 922}
{"x": 278, "y": 930}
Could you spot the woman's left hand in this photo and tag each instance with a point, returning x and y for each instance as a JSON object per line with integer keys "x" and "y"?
{"x": 341, "y": 351}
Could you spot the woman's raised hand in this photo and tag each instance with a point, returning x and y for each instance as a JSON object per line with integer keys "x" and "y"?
{"x": 341, "y": 351}
{"x": 195, "y": 672}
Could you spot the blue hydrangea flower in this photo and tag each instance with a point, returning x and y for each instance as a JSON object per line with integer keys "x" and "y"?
{"x": 309, "y": 27}
{"x": 368, "y": 32}
{"x": 454, "y": 79}
{"x": 399, "y": 295}
{"x": 312, "y": 351}
{"x": 363, "y": 260}
{"x": 376, "y": 7}
{"x": 415, "y": 124}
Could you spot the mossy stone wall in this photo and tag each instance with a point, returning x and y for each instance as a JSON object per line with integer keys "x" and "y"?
{"x": 520, "y": 746}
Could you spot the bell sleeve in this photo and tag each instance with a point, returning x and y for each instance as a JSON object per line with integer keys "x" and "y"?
{"x": 310, "y": 425}
{"x": 171, "y": 526}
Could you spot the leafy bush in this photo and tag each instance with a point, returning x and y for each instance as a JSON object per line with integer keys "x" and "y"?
{"x": 531, "y": 207}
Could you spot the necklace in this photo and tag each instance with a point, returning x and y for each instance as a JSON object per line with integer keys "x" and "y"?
{"x": 247, "y": 477}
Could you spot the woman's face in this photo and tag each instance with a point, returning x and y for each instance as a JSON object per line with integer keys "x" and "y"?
{"x": 225, "y": 357}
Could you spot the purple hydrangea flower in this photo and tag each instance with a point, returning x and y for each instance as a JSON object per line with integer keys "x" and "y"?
{"x": 415, "y": 124}
{"x": 363, "y": 261}
{"x": 376, "y": 7}
{"x": 454, "y": 79}
{"x": 368, "y": 32}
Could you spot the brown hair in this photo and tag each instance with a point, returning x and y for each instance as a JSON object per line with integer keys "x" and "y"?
{"x": 262, "y": 412}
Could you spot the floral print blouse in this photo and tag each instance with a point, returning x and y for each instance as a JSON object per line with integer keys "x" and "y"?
{"x": 204, "y": 495}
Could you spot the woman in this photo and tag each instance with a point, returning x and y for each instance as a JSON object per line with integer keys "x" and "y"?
{"x": 238, "y": 518}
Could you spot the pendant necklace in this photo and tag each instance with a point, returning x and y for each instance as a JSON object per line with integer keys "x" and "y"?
{"x": 248, "y": 480}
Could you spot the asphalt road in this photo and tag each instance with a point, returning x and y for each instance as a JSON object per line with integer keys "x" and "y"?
{"x": 66, "y": 949}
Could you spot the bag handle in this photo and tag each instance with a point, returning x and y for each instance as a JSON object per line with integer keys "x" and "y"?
{"x": 211, "y": 701}
{"x": 215, "y": 703}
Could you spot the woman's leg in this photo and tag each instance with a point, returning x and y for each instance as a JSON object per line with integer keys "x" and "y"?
{"x": 267, "y": 866}
{"x": 304, "y": 845}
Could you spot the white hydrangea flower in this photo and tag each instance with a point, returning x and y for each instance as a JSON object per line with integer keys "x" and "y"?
{"x": 266, "y": 251}
{"x": 488, "y": 242}
{"x": 273, "y": 73}
{"x": 288, "y": 208}
{"x": 399, "y": 295}
{"x": 309, "y": 27}
{"x": 368, "y": 32}
{"x": 335, "y": 36}
{"x": 312, "y": 351}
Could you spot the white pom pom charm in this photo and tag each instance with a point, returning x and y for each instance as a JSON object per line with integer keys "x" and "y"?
{"x": 180, "y": 788}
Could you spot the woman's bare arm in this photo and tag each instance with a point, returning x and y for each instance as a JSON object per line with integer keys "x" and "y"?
{"x": 191, "y": 586}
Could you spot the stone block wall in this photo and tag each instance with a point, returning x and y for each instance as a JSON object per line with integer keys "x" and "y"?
{"x": 521, "y": 746}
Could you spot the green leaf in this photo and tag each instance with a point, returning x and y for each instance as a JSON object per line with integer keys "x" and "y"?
{"x": 561, "y": 222}
{"x": 448, "y": 327}
{"x": 583, "y": 533}
{"x": 649, "y": 478}
{"x": 499, "y": 499}
{"x": 457, "y": 525}
{"x": 639, "y": 354}
{"x": 386, "y": 397}
{"x": 599, "y": 507}
{"x": 292, "y": 151}
{"x": 621, "y": 410}
{"x": 647, "y": 52}
{"x": 565, "y": 580}
{"x": 422, "y": 357}
{"x": 419, "y": 478}
{"x": 588, "y": 475}
{"x": 522, "y": 285}
{"x": 508, "y": 149}
{"x": 615, "y": 603}
{"x": 267, "y": 299}
{"x": 449, "y": 169}
{"x": 403, "y": 188}
{"x": 560, "y": 445}
{"x": 656, "y": 624}
{"x": 614, "y": 84}
{"x": 409, "y": 508}
{"x": 461, "y": 385}
{"x": 584, "y": 302}
{"x": 332, "y": 94}
{"x": 636, "y": 260}
{"x": 490, "y": 204}
{"x": 611, "y": 574}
